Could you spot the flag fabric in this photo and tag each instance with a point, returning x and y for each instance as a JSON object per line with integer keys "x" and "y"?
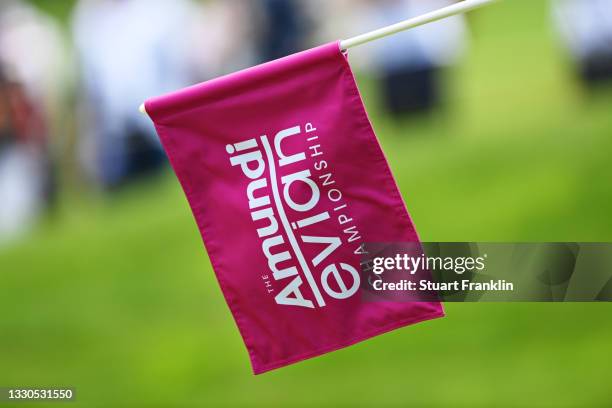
{"x": 286, "y": 181}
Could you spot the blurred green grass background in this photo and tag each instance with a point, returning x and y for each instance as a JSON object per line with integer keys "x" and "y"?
{"x": 116, "y": 297}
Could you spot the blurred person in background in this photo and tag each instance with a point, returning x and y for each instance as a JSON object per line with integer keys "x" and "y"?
{"x": 31, "y": 56}
{"x": 585, "y": 27}
{"x": 285, "y": 28}
{"x": 22, "y": 160}
{"x": 410, "y": 63}
{"x": 226, "y": 35}
{"x": 130, "y": 50}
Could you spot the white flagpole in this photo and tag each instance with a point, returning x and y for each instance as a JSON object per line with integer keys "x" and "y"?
{"x": 457, "y": 8}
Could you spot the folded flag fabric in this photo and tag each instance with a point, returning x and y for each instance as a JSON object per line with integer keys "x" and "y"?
{"x": 286, "y": 180}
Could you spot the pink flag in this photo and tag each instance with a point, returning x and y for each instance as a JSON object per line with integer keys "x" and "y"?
{"x": 286, "y": 180}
